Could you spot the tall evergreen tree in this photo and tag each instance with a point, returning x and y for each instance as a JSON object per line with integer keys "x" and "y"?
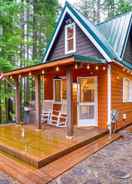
{"x": 19, "y": 22}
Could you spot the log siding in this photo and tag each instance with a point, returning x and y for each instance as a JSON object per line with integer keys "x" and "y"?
{"x": 117, "y": 96}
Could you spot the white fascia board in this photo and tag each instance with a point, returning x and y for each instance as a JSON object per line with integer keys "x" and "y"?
{"x": 108, "y": 59}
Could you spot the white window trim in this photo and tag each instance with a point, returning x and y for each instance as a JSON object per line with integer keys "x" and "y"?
{"x": 57, "y": 102}
{"x": 130, "y": 89}
{"x": 74, "y": 38}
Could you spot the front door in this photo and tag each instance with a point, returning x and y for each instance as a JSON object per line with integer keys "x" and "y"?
{"x": 87, "y": 101}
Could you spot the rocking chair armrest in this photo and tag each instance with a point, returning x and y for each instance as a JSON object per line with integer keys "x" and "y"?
{"x": 56, "y": 111}
{"x": 46, "y": 112}
{"x": 54, "y": 116}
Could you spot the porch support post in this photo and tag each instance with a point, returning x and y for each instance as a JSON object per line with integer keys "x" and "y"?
{"x": 37, "y": 101}
{"x": 17, "y": 101}
{"x": 69, "y": 103}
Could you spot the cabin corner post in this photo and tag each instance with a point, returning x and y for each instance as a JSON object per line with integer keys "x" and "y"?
{"x": 37, "y": 101}
{"x": 69, "y": 128}
{"x": 109, "y": 93}
{"x": 17, "y": 100}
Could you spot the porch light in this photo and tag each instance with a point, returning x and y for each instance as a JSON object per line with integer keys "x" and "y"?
{"x": 128, "y": 71}
{"x": 96, "y": 68}
{"x": 43, "y": 72}
{"x": 30, "y": 74}
{"x": 104, "y": 68}
{"x": 88, "y": 67}
{"x": 76, "y": 66}
{"x": 11, "y": 77}
{"x": 74, "y": 88}
{"x": 57, "y": 68}
{"x": 19, "y": 76}
{"x": 123, "y": 69}
{"x": 118, "y": 77}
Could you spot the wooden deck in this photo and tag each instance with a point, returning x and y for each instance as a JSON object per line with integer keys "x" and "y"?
{"x": 25, "y": 174}
{"x": 40, "y": 147}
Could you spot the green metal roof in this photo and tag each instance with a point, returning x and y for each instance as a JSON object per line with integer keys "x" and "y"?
{"x": 89, "y": 59}
{"x": 91, "y": 28}
{"x": 116, "y": 31}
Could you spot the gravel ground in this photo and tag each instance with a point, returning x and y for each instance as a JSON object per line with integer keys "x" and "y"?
{"x": 111, "y": 165}
{"x": 5, "y": 179}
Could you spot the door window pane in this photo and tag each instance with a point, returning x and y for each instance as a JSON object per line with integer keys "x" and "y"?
{"x": 87, "y": 112}
{"x": 87, "y": 90}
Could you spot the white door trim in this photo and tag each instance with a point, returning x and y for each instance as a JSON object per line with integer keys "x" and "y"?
{"x": 96, "y": 102}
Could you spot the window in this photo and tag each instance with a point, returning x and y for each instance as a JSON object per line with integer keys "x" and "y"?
{"x": 127, "y": 90}
{"x": 70, "y": 41}
{"x": 59, "y": 90}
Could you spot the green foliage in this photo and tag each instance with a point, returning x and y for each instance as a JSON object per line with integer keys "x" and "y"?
{"x": 124, "y": 6}
{"x": 25, "y": 28}
{"x": 10, "y": 34}
{"x": 99, "y": 10}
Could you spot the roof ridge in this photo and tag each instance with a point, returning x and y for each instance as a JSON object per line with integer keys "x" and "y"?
{"x": 112, "y": 18}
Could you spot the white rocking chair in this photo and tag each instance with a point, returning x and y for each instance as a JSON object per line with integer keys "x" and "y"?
{"x": 46, "y": 111}
{"x": 62, "y": 119}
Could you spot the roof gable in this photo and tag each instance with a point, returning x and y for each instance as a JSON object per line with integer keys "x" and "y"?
{"x": 83, "y": 45}
{"x": 88, "y": 28}
{"x": 116, "y": 31}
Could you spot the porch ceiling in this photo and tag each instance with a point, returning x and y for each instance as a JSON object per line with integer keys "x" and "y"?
{"x": 38, "y": 68}
{"x": 69, "y": 61}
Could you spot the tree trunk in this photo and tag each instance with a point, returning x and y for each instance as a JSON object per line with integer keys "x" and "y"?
{"x": 34, "y": 29}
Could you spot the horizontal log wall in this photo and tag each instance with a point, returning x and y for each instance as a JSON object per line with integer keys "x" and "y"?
{"x": 117, "y": 95}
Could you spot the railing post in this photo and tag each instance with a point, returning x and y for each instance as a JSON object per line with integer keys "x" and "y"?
{"x": 69, "y": 103}
{"x": 37, "y": 101}
{"x": 17, "y": 100}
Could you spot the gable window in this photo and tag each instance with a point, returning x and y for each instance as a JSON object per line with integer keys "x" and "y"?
{"x": 70, "y": 38}
{"x": 127, "y": 90}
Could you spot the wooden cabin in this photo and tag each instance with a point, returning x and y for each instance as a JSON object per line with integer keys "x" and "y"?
{"x": 88, "y": 68}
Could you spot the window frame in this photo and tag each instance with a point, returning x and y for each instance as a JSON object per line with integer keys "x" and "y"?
{"x": 74, "y": 38}
{"x": 129, "y": 90}
{"x": 54, "y": 92}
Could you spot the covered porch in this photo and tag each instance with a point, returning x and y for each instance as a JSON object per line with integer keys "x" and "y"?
{"x": 79, "y": 81}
